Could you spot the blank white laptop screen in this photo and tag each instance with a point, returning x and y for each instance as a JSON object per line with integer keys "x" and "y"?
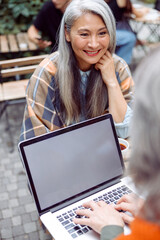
{"x": 73, "y": 162}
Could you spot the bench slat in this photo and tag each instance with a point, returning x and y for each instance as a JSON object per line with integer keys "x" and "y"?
{"x": 4, "y": 44}
{"x": 21, "y": 42}
{"x": 12, "y": 43}
{"x": 13, "y": 90}
{"x": 22, "y": 61}
{"x": 17, "y": 71}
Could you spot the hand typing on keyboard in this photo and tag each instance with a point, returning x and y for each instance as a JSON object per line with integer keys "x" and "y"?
{"x": 129, "y": 203}
{"x": 109, "y": 197}
{"x": 98, "y": 214}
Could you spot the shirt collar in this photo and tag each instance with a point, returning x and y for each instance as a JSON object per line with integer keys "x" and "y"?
{"x": 87, "y": 72}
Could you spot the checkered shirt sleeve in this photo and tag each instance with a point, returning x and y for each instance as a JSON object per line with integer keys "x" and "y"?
{"x": 42, "y": 109}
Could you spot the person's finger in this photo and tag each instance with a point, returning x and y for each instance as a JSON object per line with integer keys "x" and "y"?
{"x": 105, "y": 58}
{"x": 127, "y": 218}
{"x": 84, "y": 212}
{"x": 47, "y": 43}
{"x": 81, "y": 221}
{"x": 124, "y": 206}
{"x": 96, "y": 67}
{"x": 124, "y": 198}
{"x": 127, "y": 198}
{"x": 90, "y": 205}
{"x": 43, "y": 43}
{"x": 101, "y": 203}
{"x": 108, "y": 54}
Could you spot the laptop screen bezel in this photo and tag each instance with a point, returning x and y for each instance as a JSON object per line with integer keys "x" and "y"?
{"x": 60, "y": 131}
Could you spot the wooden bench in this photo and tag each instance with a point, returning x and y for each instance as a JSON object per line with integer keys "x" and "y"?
{"x": 14, "y": 43}
{"x": 12, "y": 92}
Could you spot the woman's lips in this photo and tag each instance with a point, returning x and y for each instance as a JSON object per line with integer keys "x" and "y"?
{"x": 92, "y": 53}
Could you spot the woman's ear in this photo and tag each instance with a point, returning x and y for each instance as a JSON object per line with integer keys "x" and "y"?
{"x": 67, "y": 35}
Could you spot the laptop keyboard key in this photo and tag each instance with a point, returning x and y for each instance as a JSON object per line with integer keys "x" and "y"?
{"x": 85, "y": 229}
{"x": 69, "y": 226}
{"x": 79, "y": 232}
{"x": 65, "y": 222}
{"x": 71, "y": 230}
{"x": 76, "y": 228}
{"x": 74, "y": 235}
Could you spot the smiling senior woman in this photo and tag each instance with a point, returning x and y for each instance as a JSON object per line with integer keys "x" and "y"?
{"x": 83, "y": 79}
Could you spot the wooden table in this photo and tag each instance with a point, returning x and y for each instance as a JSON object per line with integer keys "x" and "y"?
{"x": 16, "y": 43}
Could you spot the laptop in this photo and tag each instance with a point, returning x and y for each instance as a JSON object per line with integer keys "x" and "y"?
{"x": 70, "y": 166}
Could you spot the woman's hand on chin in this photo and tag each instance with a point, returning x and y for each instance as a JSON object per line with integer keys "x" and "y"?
{"x": 107, "y": 68}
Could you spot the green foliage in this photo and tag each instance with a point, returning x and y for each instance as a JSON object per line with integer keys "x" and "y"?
{"x": 17, "y": 15}
{"x": 149, "y": 1}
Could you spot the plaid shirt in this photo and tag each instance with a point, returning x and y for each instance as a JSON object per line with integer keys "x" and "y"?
{"x": 42, "y": 112}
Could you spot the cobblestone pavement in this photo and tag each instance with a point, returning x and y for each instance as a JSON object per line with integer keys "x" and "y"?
{"x": 18, "y": 214}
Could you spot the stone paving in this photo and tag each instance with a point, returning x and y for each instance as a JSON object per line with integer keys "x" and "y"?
{"x": 18, "y": 214}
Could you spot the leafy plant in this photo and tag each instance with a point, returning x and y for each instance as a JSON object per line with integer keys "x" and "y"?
{"x": 149, "y": 1}
{"x": 17, "y": 15}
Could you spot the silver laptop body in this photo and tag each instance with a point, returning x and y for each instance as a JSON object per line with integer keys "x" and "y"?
{"x": 70, "y": 166}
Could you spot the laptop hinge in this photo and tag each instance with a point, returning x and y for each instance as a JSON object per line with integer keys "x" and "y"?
{"x": 84, "y": 195}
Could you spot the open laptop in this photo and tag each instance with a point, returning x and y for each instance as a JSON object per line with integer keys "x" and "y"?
{"x": 70, "y": 166}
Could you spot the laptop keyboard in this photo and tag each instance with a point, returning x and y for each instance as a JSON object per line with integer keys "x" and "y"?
{"x": 76, "y": 230}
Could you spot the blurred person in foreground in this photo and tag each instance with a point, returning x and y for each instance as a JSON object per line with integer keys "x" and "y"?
{"x": 144, "y": 167}
{"x": 84, "y": 78}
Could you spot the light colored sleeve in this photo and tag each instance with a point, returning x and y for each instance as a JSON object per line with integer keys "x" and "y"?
{"x": 126, "y": 82}
{"x": 111, "y": 232}
{"x": 123, "y": 128}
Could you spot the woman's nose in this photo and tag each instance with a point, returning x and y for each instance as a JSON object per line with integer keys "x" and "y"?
{"x": 93, "y": 42}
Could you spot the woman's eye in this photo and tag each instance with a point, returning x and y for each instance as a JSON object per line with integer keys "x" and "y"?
{"x": 84, "y": 34}
{"x": 103, "y": 33}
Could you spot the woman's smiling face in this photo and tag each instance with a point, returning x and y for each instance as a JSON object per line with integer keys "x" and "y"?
{"x": 89, "y": 39}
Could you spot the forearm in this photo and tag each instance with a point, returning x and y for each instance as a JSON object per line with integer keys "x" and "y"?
{"x": 122, "y": 128}
{"x": 117, "y": 103}
{"x": 136, "y": 12}
{"x": 33, "y": 34}
{"x": 111, "y": 232}
{"x": 140, "y": 12}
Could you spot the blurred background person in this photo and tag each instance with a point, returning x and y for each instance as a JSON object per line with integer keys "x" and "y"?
{"x": 47, "y": 22}
{"x": 126, "y": 38}
{"x": 157, "y": 5}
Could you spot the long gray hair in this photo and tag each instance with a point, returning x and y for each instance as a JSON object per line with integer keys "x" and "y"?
{"x": 68, "y": 74}
{"x": 145, "y": 160}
